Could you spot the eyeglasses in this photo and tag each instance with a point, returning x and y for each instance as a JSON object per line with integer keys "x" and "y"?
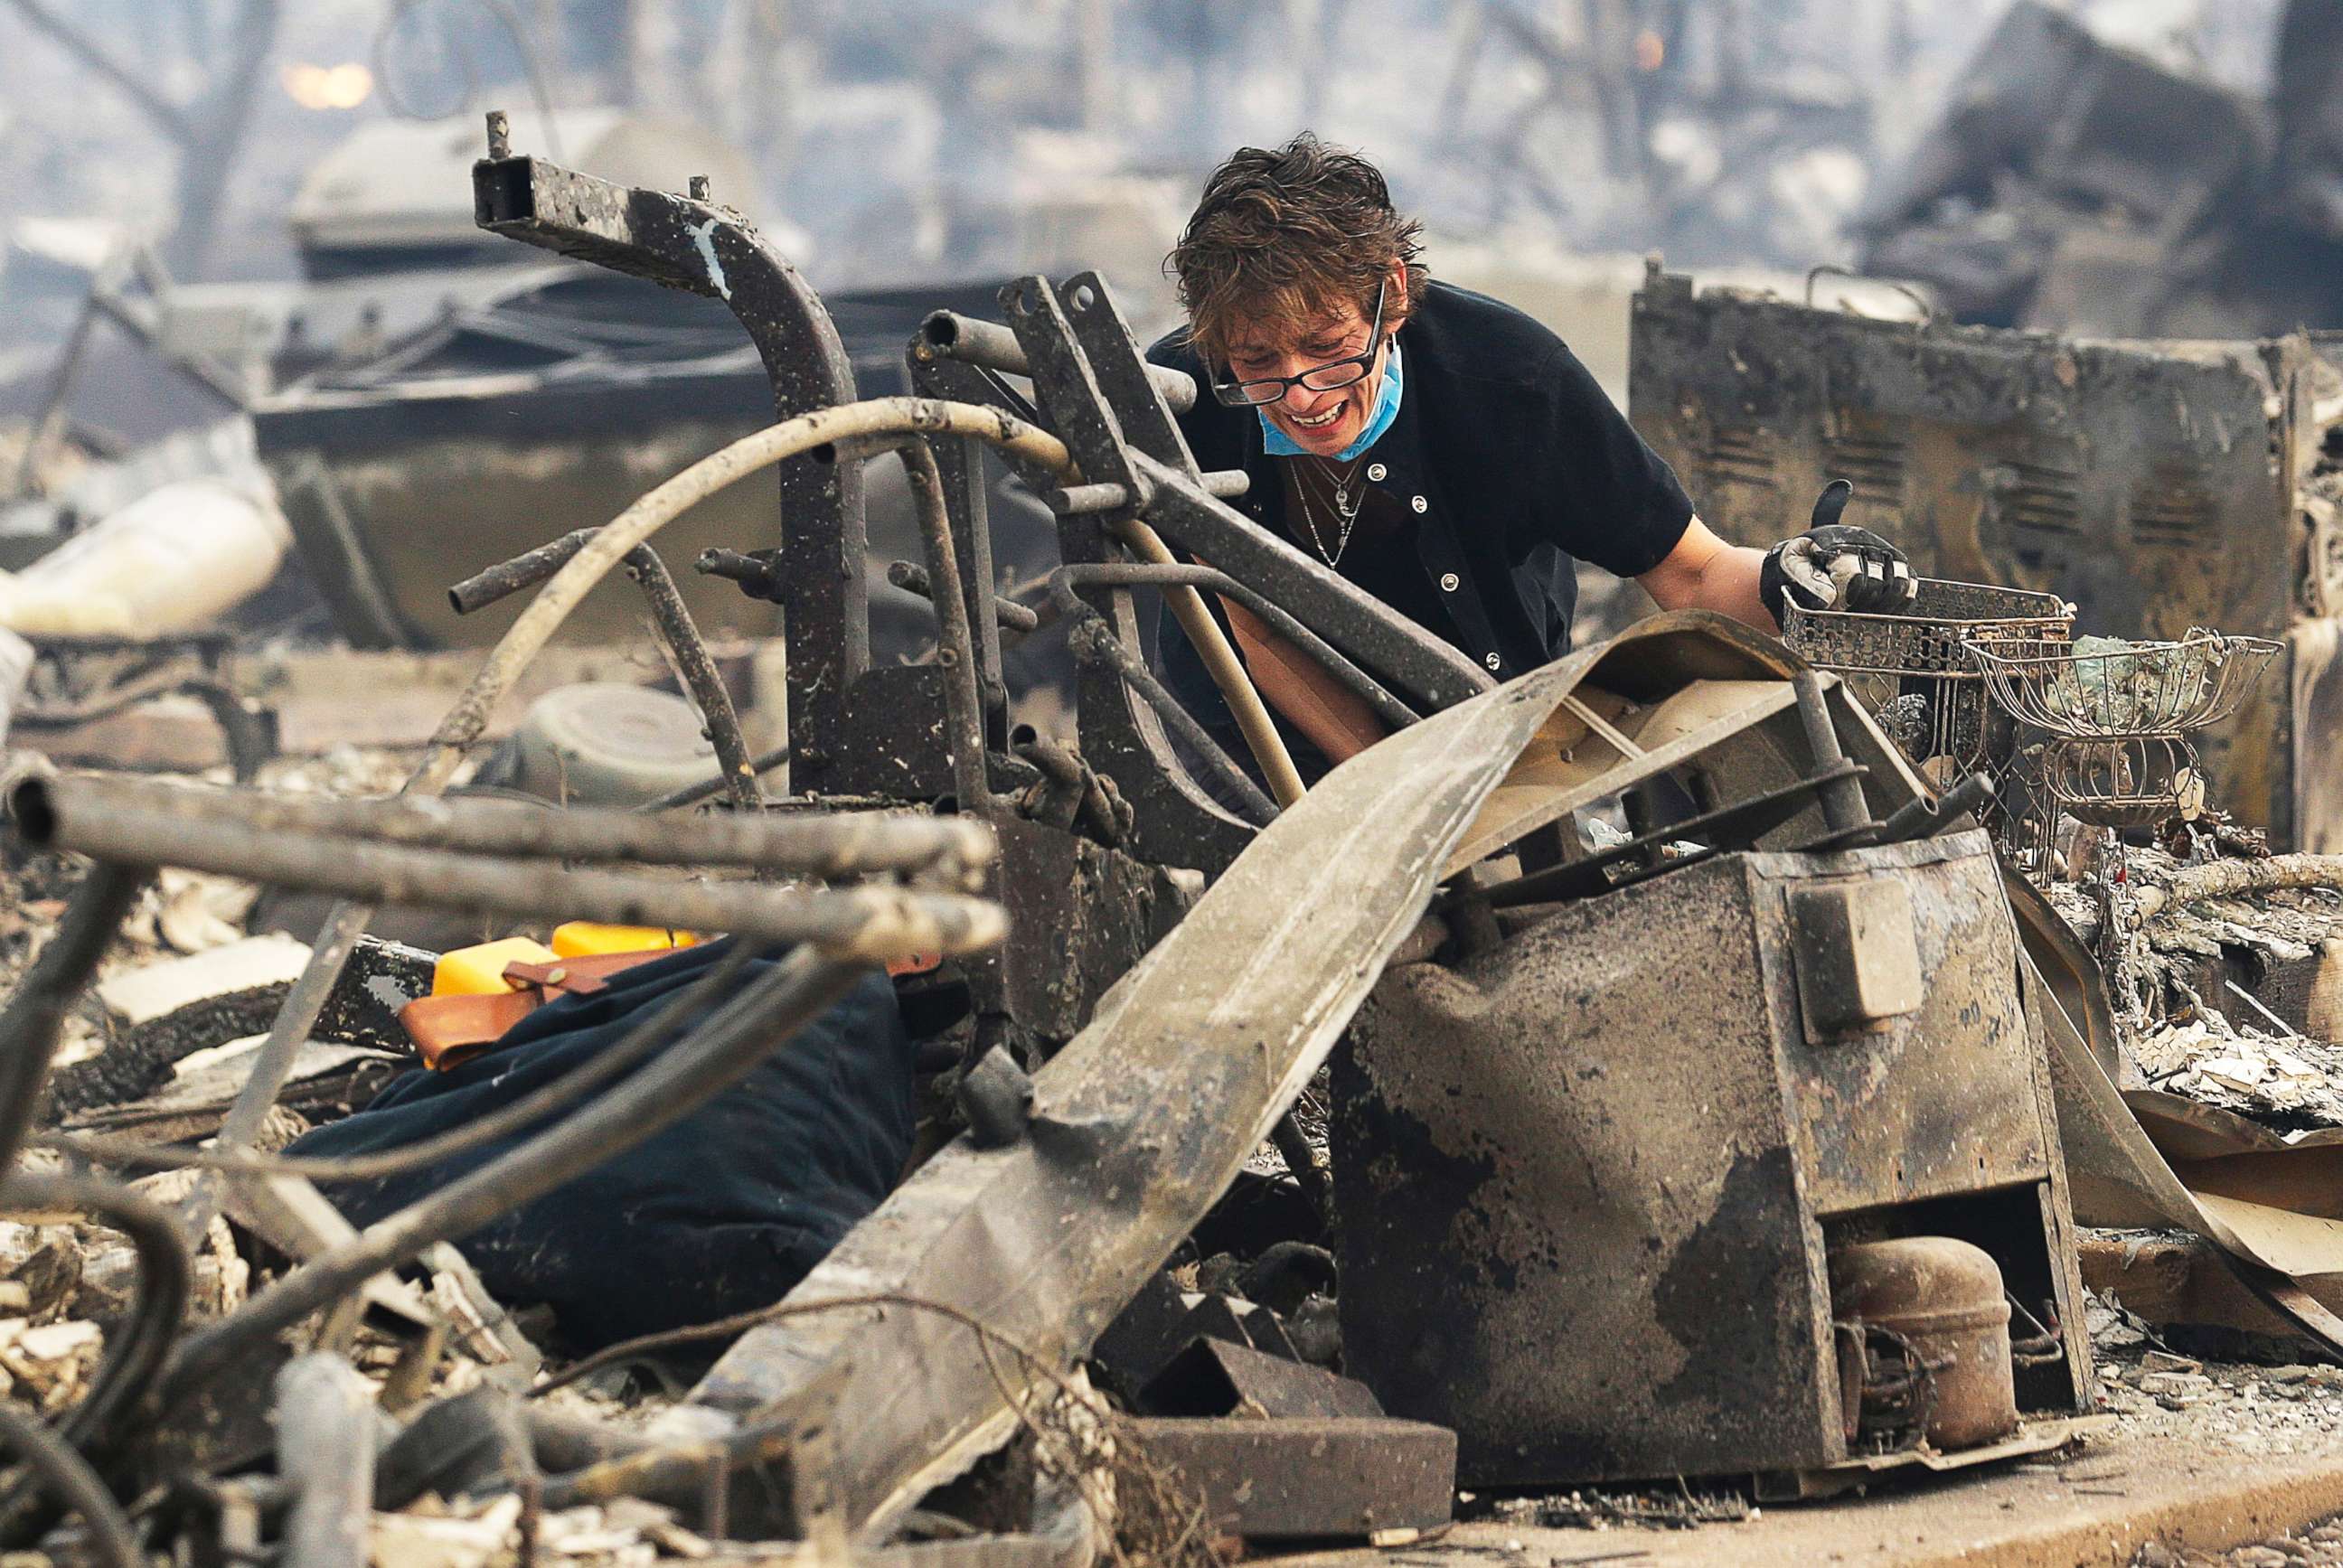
{"x": 1331, "y": 377}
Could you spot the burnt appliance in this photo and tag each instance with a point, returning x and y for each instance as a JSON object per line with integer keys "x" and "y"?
{"x": 1749, "y": 1168}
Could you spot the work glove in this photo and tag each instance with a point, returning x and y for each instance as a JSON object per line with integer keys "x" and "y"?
{"x": 1832, "y": 567}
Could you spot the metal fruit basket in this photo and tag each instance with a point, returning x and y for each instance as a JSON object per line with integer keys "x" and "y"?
{"x": 2101, "y": 688}
{"x": 1914, "y": 671}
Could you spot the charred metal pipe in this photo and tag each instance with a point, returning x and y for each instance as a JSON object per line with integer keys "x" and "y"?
{"x": 1078, "y": 783}
{"x": 758, "y": 576}
{"x": 28, "y": 1028}
{"x": 912, "y": 578}
{"x": 505, "y": 578}
{"x": 708, "y": 789}
{"x": 1124, "y": 574}
{"x": 1843, "y": 805}
{"x": 700, "y": 676}
{"x": 845, "y": 844}
{"x": 1226, "y": 484}
{"x": 955, "y": 639}
{"x": 948, "y": 335}
{"x": 1920, "y": 818}
{"x": 722, "y": 1051}
{"x": 676, "y": 629}
{"x": 870, "y": 924}
{"x": 1092, "y": 638}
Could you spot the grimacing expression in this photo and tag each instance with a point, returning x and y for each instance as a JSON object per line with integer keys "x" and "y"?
{"x": 1322, "y": 423}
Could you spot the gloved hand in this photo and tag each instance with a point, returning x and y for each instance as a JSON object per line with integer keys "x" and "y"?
{"x": 1831, "y": 567}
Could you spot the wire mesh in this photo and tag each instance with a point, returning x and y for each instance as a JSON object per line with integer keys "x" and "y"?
{"x": 1918, "y": 674}
{"x": 2123, "y": 781}
{"x": 2124, "y": 689}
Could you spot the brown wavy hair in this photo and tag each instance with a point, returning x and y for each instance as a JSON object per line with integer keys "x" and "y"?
{"x": 1281, "y": 237}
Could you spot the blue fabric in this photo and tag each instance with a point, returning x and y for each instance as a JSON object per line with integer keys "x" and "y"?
{"x": 1278, "y": 444}
{"x": 721, "y": 1213}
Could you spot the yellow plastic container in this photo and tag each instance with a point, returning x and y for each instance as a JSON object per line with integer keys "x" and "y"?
{"x": 584, "y": 939}
{"x": 480, "y": 971}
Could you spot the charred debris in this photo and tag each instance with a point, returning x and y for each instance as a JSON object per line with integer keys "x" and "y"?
{"x": 1199, "y": 1171}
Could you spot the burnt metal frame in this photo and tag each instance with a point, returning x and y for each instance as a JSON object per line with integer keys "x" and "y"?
{"x": 691, "y": 244}
{"x": 1093, "y": 388}
{"x": 676, "y": 629}
{"x": 887, "y": 732}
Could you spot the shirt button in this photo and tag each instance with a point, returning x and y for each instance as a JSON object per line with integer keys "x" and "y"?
{"x": 1376, "y": 471}
{"x": 1448, "y": 582}
{"x": 1420, "y": 504}
{"x": 1491, "y": 661}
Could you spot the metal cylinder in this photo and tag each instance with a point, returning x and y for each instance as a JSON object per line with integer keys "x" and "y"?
{"x": 1936, "y": 1322}
{"x": 995, "y": 348}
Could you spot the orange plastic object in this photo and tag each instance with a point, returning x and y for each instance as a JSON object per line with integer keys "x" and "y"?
{"x": 584, "y": 939}
{"x": 480, "y": 971}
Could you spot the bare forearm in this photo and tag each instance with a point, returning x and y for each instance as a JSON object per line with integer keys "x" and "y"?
{"x": 1704, "y": 572}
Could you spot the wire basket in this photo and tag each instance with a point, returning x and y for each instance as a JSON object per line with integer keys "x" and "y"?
{"x": 2126, "y": 689}
{"x": 1914, "y": 669}
{"x": 2124, "y": 781}
{"x": 1930, "y": 636}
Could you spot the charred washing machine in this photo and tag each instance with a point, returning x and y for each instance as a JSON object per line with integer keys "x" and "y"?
{"x": 1749, "y": 1168}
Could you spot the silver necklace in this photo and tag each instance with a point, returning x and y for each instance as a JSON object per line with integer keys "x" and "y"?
{"x": 1346, "y": 496}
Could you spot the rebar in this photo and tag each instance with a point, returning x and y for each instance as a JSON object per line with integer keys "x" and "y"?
{"x": 912, "y": 578}
{"x": 1222, "y": 662}
{"x": 846, "y": 844}
{"x": 708, "y": 789}
{"x": 700, "y": 676}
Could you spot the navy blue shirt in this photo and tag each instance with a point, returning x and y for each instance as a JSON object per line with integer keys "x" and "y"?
{"x": 1511, "y": 460}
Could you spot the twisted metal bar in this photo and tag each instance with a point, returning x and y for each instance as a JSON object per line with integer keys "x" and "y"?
{"x": 826, "y": 846}
{"x": 468, "y": 718}
{"x": 871, "y": 923}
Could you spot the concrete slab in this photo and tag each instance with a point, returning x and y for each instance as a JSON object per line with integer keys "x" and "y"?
{"x": 2096, "y": 1506}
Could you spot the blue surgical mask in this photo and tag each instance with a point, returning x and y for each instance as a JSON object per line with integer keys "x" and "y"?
{"x": 1278, "y": 444}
